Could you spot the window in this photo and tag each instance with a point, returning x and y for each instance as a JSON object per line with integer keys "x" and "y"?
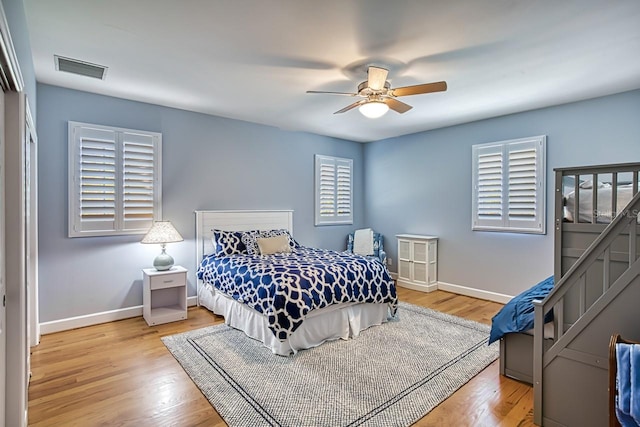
{"x": 334, "y": 190}
{"x": 509, "y": 186}
{"x": 114, "y": 180}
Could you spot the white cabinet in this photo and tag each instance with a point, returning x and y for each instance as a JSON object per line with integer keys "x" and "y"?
{"x": 164, "y": 295}
{"x": 418, "y": 262}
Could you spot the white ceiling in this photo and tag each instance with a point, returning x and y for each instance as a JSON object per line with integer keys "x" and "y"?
{"x": 253, "y": 60}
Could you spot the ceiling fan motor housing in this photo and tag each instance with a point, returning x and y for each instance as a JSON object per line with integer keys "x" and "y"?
{"x": 365, "y": 90}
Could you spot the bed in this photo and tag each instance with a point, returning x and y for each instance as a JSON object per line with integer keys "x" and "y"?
{"x": 292, "y": 297}
{"x": 576, "y": 226}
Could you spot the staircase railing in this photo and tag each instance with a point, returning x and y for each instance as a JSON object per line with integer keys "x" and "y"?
{"x": 575, "y": 281}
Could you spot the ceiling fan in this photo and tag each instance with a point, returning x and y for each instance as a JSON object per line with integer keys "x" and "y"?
{"x": 379, "y": 97}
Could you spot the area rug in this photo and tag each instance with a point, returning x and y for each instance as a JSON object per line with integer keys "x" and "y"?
{"x": 391, "y": 375}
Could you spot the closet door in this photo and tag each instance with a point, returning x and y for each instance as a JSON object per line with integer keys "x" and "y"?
{"x": 17, "y": 350}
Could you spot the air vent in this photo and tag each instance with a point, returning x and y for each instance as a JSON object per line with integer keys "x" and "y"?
{"x": 81, "y": 68}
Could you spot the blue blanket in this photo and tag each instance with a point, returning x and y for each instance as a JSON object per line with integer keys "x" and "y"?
{"x": 286, "y": 287}
{"x": 517, "y": 314}
{"x": 628, "y": 384}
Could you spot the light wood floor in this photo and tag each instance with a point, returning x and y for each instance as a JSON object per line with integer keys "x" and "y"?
{"x": 121, "y": 374}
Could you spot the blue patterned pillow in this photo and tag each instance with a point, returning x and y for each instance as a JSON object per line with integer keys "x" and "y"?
{"x": 250, "y": 239}
{"x": 227, "y": 243}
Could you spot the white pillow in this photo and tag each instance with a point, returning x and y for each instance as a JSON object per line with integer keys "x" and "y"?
{"x": 274, "y": 245}
{"x": 363, "y": 242}
{"x": 249, "y": 238}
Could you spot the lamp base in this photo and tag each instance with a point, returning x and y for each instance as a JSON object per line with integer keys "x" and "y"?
{"x": 163, "y": 262}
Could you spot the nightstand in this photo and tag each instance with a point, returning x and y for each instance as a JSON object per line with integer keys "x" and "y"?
{"x": 164, "y": 295}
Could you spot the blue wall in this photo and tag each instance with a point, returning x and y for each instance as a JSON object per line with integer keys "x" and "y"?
{"x": 421, "y": 184}
{"x": 208, "y": 163}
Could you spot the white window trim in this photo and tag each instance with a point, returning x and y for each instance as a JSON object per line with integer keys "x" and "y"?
{"x": 333, "y": 216}
{"x": 119, "y": 227}
{"x": 498, "y": 165}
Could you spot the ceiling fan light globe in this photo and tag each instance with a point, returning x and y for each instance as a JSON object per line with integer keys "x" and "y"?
{"x": 373, "y": 109}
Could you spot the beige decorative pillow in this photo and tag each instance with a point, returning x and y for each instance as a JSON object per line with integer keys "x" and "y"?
{"x": 274, "y": 245}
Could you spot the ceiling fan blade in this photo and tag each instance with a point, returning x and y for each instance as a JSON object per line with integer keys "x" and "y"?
{"x": 350, "y": 107}
{"x": 377, "y": 77}
{"x": 333, "y": 93}
{"x": 418, "y": 89}
{"x": 397, "y": 106}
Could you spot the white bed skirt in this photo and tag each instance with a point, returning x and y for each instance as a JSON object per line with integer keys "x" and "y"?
{"x": 330, "y": 323}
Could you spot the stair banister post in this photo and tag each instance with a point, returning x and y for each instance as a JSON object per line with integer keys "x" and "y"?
{"x": 538, "y": 357}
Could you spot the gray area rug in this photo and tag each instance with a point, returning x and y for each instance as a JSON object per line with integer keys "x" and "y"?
{"x": 391, "y": 375}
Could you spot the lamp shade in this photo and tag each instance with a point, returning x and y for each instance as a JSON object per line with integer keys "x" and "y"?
{"x": 162, "y": 232}
{"x": 373, "y": 109}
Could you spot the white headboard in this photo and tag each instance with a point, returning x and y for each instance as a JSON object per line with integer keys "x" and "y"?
{"x": 235, "y": 221}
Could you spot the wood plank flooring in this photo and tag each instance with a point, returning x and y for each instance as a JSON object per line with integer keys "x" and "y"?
{"x": 120, "y": 374}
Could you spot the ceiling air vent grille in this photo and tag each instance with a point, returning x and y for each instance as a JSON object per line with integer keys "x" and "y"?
{"x": 81, "y": 68}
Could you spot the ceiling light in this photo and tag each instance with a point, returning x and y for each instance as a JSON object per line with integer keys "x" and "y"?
{"x": 373, "y": 109}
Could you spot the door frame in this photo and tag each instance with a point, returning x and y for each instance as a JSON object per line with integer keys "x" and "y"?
{"x": 31, "y": 211}
{"x": 10, "y": 81}
{"x": 3, "y": 315}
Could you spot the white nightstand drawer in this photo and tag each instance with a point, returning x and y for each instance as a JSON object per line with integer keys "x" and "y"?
{"x": 167, "y": 281}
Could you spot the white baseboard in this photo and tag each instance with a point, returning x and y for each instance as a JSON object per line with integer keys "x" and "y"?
{"x": 456, "y": 289}
{"x": 476, "y": 293}
{"x": 418, "y": 287}
{"x": 126, "y": 313}
{"x": 96, "y": 318}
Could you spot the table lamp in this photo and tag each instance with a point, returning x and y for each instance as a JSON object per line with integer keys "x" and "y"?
{"x": 162, "y": 232}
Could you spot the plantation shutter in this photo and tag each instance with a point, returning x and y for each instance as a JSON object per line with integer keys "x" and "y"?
{"x": 334, "y": 190}
{"x": 114, "y": 180}
{"x": 327, "y": 188}
{"x": 139, "y": 180}
{"x": 96, "y": 194}
{"x": 522, "y": 184}
{"x": 343, "y": 192}
{"x": 509, "y": 186}
{"x": 488, "y": 187}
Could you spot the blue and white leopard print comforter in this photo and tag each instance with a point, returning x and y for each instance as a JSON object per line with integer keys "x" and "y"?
{"x": 286, "y": 287}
